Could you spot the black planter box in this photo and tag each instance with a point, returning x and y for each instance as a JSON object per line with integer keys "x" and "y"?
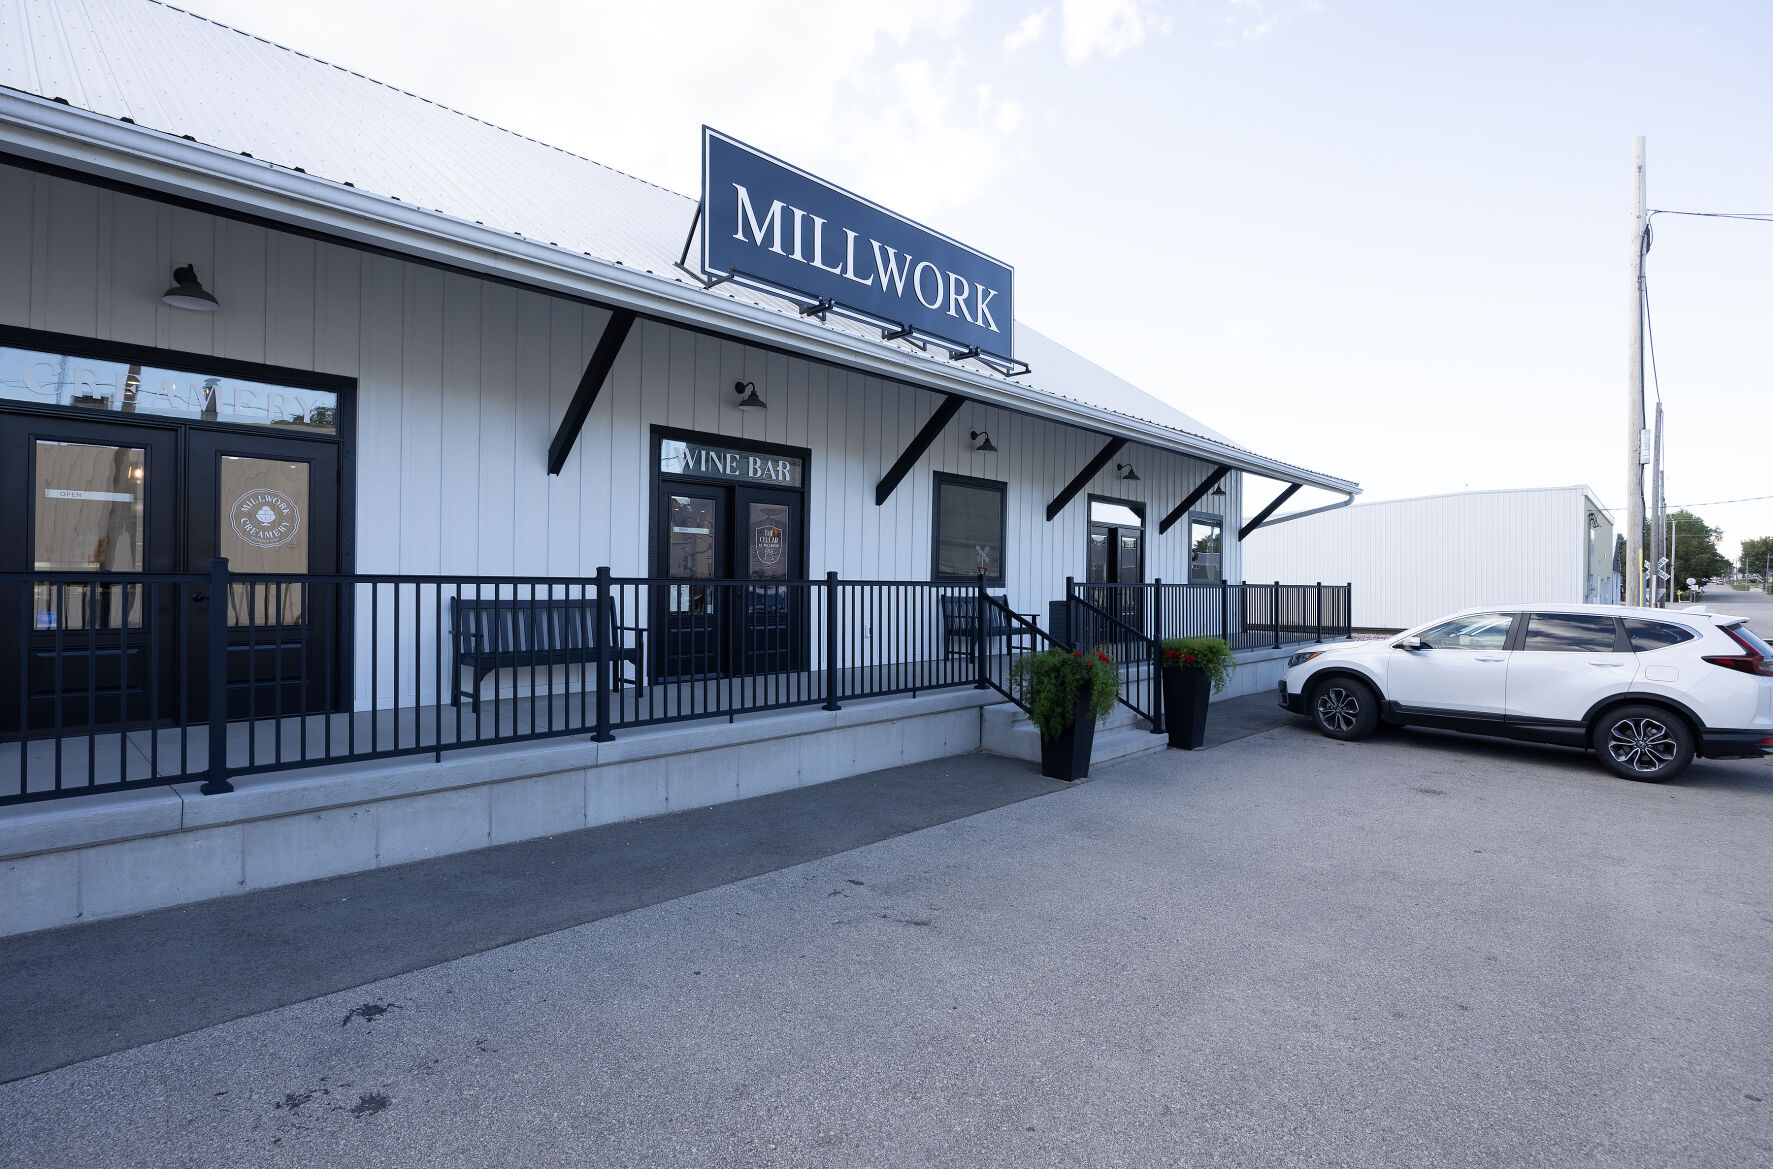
{"x": 1067, "y": 757}
{"x": 1186, "y": 692}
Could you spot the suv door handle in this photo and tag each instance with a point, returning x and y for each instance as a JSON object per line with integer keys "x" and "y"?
{"x": 1607, "y": 665}
{"x": 1490, "y": 659}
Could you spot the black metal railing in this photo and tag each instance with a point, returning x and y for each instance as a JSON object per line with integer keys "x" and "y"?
{"x": 132, "y": 680}
{"x": 1118, "y": 621}
{"x": 1248, "y": 616}
{"x": 119, "y": 680}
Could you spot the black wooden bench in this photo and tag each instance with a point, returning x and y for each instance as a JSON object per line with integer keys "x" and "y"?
{"x": 960, "y": 622}
{"x": 509, "y": 634}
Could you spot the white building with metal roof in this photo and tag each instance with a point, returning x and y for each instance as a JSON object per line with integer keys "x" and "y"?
{"x": 328, "y": 440}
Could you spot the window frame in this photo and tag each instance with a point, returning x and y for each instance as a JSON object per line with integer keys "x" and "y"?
{"x": 1211, "y": 517}
{"x": 942, "y": 479}
{"x": 1524, "y": 625}
{"x": 1137, "y": 507}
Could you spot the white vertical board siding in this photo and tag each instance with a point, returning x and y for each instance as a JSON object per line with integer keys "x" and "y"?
{"x": 1411, "y": 560}
{"x": 461, "y": 383}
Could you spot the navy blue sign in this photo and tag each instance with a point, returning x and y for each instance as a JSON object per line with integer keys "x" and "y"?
{"x": 766, "y": 222}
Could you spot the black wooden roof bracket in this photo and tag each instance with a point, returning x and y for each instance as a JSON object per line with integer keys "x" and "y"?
{"x": 951, "y": 404}
{"x": 603, "y": 359}
{"x": 1109, "y": 450}
{"x": 1194, "y": 497}
{"x": 1292, "y": 489}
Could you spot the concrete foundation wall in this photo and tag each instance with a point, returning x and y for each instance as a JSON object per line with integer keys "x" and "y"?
{"x": 103, "y": 856}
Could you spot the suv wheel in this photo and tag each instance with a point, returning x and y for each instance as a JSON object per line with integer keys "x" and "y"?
{"x": 1643, "y": 742}
{"x": 1343, "y": 708}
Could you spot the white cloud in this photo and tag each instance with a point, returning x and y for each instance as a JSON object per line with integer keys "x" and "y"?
{"x": 1030, "y": 31}
{"x": 1106, "y": 27}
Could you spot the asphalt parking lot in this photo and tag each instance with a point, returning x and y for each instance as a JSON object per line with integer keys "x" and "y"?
{"x": 1284, "y": 951}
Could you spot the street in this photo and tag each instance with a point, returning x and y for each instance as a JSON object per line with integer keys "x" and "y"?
{"x": 1419, "y": 950}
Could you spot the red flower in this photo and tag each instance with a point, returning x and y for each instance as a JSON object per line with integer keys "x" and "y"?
{"x": 1077, "y": 655}
{"x": 1104, "y": 657}
{"x": 1189, "y": 658}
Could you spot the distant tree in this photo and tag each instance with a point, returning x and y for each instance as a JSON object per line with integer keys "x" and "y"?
{"x": 1695, "y": 548}
{"x": 1755, "y": 554}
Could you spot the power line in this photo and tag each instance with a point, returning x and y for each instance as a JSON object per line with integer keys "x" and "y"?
{"x": 1751, "y": 216}
{"x": 1721, "y": 502}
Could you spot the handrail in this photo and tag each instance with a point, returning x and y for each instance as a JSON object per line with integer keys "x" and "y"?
{"x": 1135, "y": 635}
{"x": 1027, "y": 625}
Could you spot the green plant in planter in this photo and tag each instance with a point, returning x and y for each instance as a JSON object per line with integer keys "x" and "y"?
{"x": 1210, "y": 654}
{"x": 1050, "y": 681}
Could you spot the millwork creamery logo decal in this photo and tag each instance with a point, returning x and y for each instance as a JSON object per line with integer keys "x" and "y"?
{"x": 266, "y": 519}
{"x": 766, "y": 543}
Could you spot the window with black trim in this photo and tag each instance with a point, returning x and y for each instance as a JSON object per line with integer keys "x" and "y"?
{"x": 1649, "y": 636}
{"x": 968, "y": 530}
{"x": 1592, "y": 633}
{"x": 1206, "y": 544}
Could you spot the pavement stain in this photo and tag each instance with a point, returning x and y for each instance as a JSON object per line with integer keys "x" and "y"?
{"x": 369, "y": 1012}
{"x": 369, "y": 1104}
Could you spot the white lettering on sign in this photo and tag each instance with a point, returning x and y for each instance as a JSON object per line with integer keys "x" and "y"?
{"x": 966, "y": 301}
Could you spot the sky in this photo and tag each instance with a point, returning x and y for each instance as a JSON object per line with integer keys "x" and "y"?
{"x": 1385, "y": 240}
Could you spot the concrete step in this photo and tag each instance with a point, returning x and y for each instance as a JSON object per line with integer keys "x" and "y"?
{"x": 1005, "y": 730}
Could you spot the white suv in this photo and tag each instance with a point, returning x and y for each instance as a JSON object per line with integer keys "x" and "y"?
{"x": 1645, "y": 689}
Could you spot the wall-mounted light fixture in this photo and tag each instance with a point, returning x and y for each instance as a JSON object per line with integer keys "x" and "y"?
{"x": 1219, "y": 491}
{"x": 1127, "y": 472}
{"x": 982, "y": 442}
{"x": 188, "y": 292}
{"x": 748, "y": 399}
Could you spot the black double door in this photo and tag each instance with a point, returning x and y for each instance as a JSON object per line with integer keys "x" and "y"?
{"x": 98, "y": 504}
{"x": 1116, "y": 559}
{"x": 732, "y": 557}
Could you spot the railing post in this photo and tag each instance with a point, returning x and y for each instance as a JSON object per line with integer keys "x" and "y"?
{"x": 1157, "y": 656}
{"x": 1071, "y": 614}
{"x": 1348, "y": 611}
{"x": 607, "y": 627}
{"x": 1224, "y": 609}
{"x": 1277, "y": 611}
{"x": 832, "y": 657}
{"x": 216, "y": 778}
{"x": 983, "y": 682}
{"x": 1320, "y": 611}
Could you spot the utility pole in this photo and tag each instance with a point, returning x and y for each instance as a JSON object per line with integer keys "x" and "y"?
{"x": 1659, "y": 592}
{"x": 1634, "y": 393}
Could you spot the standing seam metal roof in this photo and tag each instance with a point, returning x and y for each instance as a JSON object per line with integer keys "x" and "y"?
{"x": 183, "y": 74}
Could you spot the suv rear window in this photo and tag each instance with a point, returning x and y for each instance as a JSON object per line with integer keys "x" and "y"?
{"x": 1652, "y": 635}
{"x": 1570, "y": 633}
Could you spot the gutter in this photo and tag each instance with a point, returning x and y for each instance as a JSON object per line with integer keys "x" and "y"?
{"x": 54, "y": 133}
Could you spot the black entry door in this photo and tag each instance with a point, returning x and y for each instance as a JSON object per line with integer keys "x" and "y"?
{"x": 270, "y": 506}
{"x": 731, "y": 556}
{"x": 1116, "y": 558}
{"x": 98, "y": 500}
{"x": 770, "y": 620}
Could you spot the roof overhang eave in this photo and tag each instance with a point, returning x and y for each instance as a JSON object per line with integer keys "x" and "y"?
{"x": 60, "y": 135}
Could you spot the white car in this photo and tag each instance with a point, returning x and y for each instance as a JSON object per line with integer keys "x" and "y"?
{"x": 1645, "y": 689}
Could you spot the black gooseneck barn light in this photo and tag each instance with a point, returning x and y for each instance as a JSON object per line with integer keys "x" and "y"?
{"x": 748, "y": 399}
{"x": 982, "y": 442}
{"x": 1127, "y": 472}
{"x": 1219, "y": 491}
{"x": 187, "y": 292}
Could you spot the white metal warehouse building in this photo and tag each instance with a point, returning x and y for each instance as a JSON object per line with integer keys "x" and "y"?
{"x": 1411, "y": 560}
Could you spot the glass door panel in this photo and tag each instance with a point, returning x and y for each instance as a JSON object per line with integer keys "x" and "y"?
{"x": 89, "y": 501}
{"x": 767, "y": 623}
{"x": 694, "y": 550}
{"x": 80, "y": 497}
{"x": 262, "y": 533}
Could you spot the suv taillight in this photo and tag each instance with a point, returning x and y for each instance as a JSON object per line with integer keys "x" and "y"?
{"x": 1749, "y": 661}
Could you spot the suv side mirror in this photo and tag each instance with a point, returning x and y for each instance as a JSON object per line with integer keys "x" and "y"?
{"x": 1410, "y": 643}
